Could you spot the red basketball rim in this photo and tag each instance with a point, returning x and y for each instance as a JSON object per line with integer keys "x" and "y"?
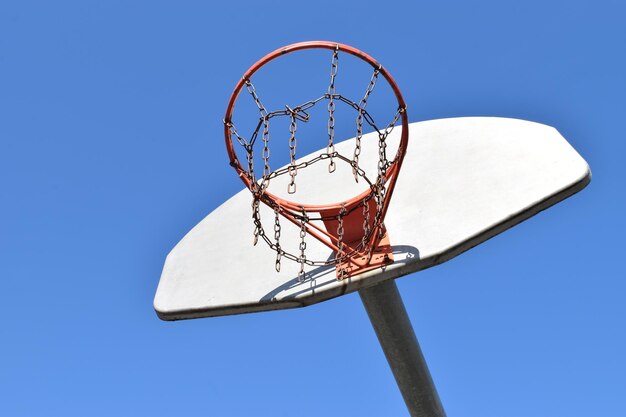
{"x": 393, "y": 168}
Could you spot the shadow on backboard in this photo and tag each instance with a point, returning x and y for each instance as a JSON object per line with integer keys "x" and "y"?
{"x": 323, "y": 276}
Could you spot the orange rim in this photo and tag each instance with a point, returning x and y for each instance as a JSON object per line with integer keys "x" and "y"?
{"x": 392, "y": 171}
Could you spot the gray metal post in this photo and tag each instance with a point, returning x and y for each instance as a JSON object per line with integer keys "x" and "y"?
{"x": 392, "y": 325}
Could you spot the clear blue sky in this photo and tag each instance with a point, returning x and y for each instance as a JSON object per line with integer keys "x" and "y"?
{"x": 111, "y": 149}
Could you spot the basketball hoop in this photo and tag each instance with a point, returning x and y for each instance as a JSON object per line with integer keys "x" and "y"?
{"x": 353, "y": 229}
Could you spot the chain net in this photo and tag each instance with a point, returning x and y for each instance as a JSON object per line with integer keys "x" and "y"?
{"x": 258, "y": 186}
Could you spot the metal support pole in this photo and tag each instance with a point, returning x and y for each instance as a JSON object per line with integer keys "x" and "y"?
{"x": 392, "y": 325}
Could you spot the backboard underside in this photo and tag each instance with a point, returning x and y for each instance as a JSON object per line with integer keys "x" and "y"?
{"x": 463, "y": 181}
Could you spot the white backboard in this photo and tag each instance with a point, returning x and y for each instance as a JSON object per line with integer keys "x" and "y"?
{"x": 463, "y": 181}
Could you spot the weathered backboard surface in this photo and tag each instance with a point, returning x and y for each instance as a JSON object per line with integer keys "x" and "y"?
{"x": 463, "y": 181}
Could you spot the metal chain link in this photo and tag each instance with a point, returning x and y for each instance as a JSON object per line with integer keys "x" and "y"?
{"x": 380, "y": 198}
{"x": 266, "y": 152}
{"x": 233, "y": 131}
{"x": 330, "y": 149}
{"x": 279, "y": 251}
{"x": 250, "y": 159}
{"x": 383, "y": 163}
{"x": 256, "y": 219}
{"x": 366, "y": 225}
{"x": 359, "y": 120}
{"x": 293, "y": 170}
{"x": 303, "y": 223}
{"x": 255, "y": 97}
{"x": 340, "y": 231}
{"x": 266, "y": 136}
